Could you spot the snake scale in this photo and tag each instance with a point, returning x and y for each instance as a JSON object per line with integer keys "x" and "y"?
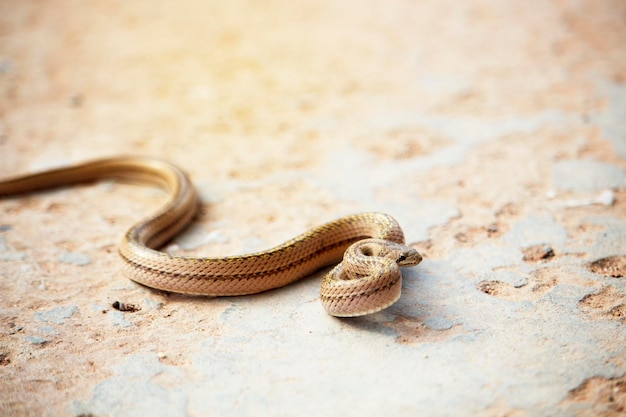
{"x": 372, "y": 245}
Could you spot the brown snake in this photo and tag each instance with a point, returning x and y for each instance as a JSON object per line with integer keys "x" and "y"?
{"x": 368, "y": 279}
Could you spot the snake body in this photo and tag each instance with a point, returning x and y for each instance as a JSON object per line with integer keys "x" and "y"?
{"x": 368, "y": 279}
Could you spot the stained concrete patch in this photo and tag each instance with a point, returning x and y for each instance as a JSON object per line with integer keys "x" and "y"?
{"x": 6, "y": 254}
{"x": 57, "y": 315}
{"x": 48, "y": 330}
{"x": 99, "y": 308}
{"x": 152, "y": 304}
{"x": 74, "y": 258}
{"x": 3, "y": 244}
{"x": 536, "y": 230}
{"x": 12, "y": 256}
{"x": 612, "y": 118}
{"x": 36, "y": 340}
{"x": 347, "y": 164}
{"x": 587, "y": 175}
{"x": 195, "y": 237}
{"x": 142, "y": 386}
{"x": 118, "y": 318}
{"x": 610, "y": 240}
{"x": 483, "y": 259}
{"x": 438, "y": 323}
{"x": 418, "y": 217}
{"x": 514, "y": 279}
{"x": 466, "y": 131}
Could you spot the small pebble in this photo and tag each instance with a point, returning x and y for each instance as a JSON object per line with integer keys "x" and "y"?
{"x": 118, "y": 305}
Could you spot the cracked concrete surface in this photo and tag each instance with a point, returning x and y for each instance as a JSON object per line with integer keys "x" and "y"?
{"x": 493, "y": 131}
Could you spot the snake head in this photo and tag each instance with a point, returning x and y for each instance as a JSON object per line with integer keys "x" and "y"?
{"x": 401, "y": 254}
{"x": 408, "y": 257}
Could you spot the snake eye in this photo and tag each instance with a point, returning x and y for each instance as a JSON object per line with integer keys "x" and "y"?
{"x": 401, "y": 258}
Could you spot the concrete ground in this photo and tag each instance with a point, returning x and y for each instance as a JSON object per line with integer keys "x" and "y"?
{"x": 494, "y": 131}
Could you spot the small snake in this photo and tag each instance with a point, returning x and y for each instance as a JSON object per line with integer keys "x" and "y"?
{"x": 368, "y": 279}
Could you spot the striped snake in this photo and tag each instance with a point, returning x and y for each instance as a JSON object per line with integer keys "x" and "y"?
{"x": 368, "y": 280}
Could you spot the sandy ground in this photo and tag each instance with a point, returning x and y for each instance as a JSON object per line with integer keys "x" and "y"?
{"x": 495, "y": 132}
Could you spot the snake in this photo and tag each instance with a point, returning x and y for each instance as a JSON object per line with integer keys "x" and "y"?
{"x": 368, "y": 248}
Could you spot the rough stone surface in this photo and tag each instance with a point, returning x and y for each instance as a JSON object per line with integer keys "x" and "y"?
{"x": 495, "y": 132}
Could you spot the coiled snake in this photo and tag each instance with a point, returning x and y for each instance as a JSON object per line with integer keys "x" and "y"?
{"x": 368, "y": 279}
